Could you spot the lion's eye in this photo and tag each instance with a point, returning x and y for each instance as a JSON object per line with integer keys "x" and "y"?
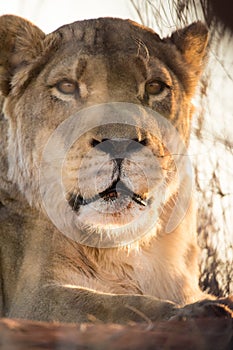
{"x": 67, "y": 87}
{"x": 155, "y": 87}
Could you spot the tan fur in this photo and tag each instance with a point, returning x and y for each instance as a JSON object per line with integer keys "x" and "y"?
{"x": 45, "y": 275}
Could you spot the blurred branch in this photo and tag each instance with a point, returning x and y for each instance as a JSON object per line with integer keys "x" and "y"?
{"x": 136, "y": 7}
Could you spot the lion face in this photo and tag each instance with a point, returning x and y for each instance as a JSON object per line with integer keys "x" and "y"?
{"x": 111, "y": 76}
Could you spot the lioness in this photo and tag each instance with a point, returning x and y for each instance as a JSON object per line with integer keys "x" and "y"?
{"x": 119, "y": 176}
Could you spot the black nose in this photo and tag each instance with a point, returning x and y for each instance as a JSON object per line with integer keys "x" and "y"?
{"x": 119, "y": 148}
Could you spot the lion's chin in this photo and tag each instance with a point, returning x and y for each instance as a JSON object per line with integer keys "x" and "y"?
{"x": 114, "y": 212}
{"x": 111, "y": 223}
{"x": 115, "y": 206}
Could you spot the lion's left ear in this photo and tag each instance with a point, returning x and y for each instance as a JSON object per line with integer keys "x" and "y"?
{"x": 192, "y": 42}
{"x": 21, "y": 43}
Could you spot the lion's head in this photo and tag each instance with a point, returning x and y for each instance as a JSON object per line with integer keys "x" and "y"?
{"x": 94, "y": 109}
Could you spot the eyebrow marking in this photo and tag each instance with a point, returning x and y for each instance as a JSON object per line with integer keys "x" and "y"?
{"x": 140, "y": 43}
{"x": 81, "y": 66}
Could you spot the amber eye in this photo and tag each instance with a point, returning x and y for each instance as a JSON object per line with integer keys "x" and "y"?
{"x": 67, "y": 87}
{"x": 155, "y": 87}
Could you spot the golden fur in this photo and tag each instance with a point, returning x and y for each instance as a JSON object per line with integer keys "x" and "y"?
{"x": 44, "y": 79}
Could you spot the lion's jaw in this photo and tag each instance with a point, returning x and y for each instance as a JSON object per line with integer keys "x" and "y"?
{"x": 117, "y": 213}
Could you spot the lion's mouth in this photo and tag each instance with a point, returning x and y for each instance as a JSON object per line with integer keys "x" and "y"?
{"x": 117, "y": 191}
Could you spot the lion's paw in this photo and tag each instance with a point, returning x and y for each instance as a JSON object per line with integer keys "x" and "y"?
{"x": 220, "y": 308}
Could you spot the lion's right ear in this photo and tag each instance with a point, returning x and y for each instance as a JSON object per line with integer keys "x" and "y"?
{"x": 192, "y": 42}
{"x": 20, "y": 45}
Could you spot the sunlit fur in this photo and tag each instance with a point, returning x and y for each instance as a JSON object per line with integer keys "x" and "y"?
{"x": 48, "y": 275}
